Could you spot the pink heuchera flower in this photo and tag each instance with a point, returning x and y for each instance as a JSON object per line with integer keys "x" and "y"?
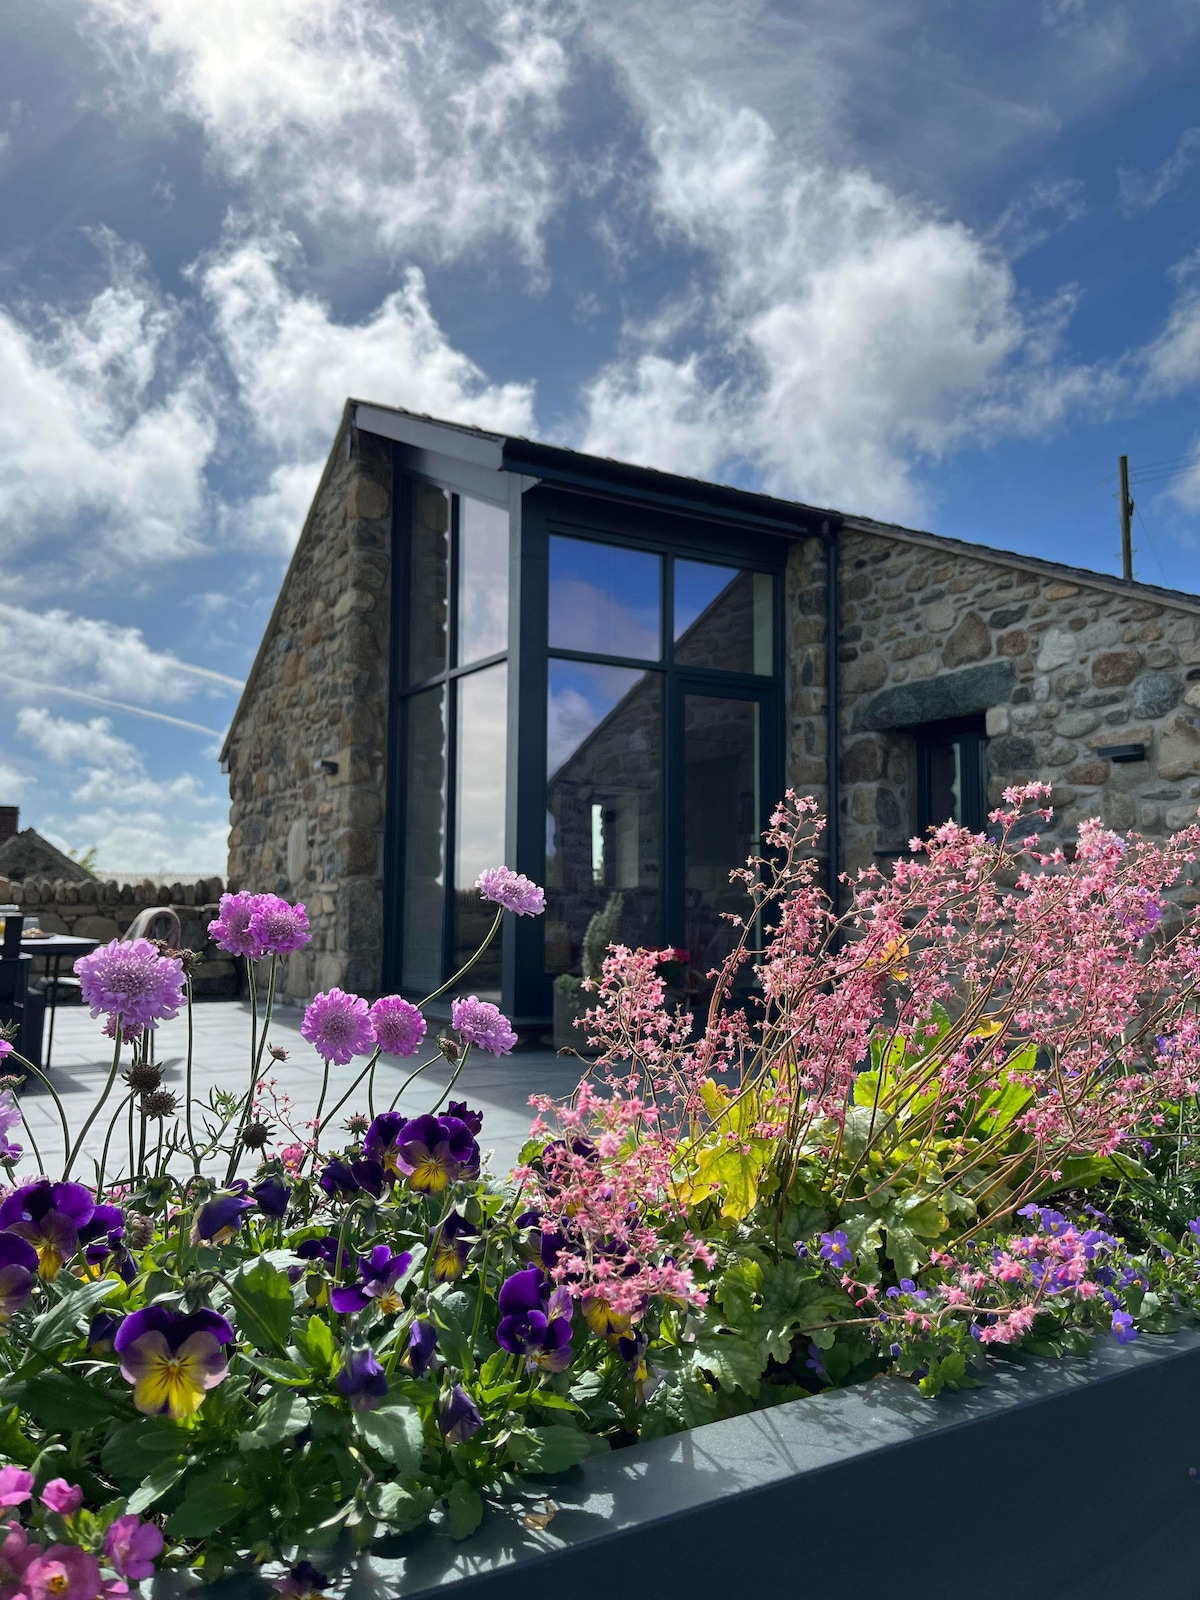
{"x": 16, "y": 1485}
{"x": 512, "y": 890}
{"x": 61, "y": 1496}
{"x": 481, "y": 1023}
{"x": 338, "y": 1026}
{"x": 232, "y": 929}
{"x": 133, "y": 1546}
{"x": 276, "y": 927}
{"x": 133, "y": 980}
{"x": 399, "y": 1027}
{"x": 64, "y": 1572}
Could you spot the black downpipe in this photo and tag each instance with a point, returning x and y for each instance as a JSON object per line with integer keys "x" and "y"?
{"x": 833, "y": 814}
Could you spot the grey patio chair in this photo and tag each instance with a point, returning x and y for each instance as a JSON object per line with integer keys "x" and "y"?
{"x": 155, "y": 922}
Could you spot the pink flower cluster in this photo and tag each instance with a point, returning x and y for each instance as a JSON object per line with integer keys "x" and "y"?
{"x": 30, "y": 1570}
{"x": 258, "y": 925}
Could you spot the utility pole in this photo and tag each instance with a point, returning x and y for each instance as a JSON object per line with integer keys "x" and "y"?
{"x": 1126, "y": 522}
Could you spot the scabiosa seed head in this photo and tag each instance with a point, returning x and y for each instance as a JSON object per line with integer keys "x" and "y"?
{"x": 277, "y": 1052}
{"x": 399, "y": 1026}
{"x": 512, "y": 890}
{"x": 357, "y": 1124}
{"x": 162, "y": 1103}
{"x": 144, "y": 1077}
{"x": 139, "y": 1229}
{"x": 257, "y": 1135}
{"x": 339, "y": 1026}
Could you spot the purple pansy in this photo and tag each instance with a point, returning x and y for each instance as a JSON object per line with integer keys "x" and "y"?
{"x": 481, "y": 1023}
{"x": 422, "y": 1346}
{"x": 450, "y": 1245}
{"x": 460, "y": 1109}
{"x": 535, "y": 1320}
{"x": 459, "y": 1416}
{"x": 271, "y": 1196}
{"x": 399, "y": 1027}
{"x": 379, "y": 1273}
{"x": 133, "y": 980}
{"x": 362, "y": 1380}
{"x": 218, "y": 1219}
{"x": 338, "y": 1026}
{"x": 18, "y": 1264}
{"x": 512, "y": 890}
{"x": 428, "y": 1152}
{"x": 48, "y": 1215}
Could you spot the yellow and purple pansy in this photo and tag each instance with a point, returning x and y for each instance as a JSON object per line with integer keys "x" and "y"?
{"x": 172, "y": 1359}
{"x": 49, "y": 1216}
{"x": 379, "y": 1275}
{"x": 427, "y": 1152}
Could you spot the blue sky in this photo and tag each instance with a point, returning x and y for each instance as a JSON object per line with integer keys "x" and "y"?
{"x": 937, "y": 262}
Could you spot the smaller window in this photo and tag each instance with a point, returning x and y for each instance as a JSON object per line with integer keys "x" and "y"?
{"x": 952, "y": 777}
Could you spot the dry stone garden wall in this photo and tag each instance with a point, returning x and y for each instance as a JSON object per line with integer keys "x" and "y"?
{"x": 104, "y": 911}
{"x": 318, "y": 692}
{"x": 1060, "y": 666}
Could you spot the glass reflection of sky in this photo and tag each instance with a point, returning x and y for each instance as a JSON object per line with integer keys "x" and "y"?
{"x": 580, "y": 698}
{"x": 697, "y": 585}
{"x": 604, "y": 598}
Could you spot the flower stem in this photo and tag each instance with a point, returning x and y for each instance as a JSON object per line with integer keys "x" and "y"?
{"x": 450, "y": 982}
{"x": 108, "y": 1140}
{"x": 98, "y": 1107}
{"x": 462, "y": 1061}
{"x": 62, "y": 1115}
{"x": 188, "y": 1071}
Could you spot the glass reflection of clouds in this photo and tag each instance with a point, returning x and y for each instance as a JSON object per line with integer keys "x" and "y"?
{"x": 605, "y": 599}
{"x": 581, "y": 696}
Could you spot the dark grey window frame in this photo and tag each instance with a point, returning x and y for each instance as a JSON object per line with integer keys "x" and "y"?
{"x": 536, "y": 512}
{"x": 970, "y": 734}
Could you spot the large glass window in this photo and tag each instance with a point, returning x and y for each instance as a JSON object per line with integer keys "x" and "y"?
{"x": 603, "y": 805}
{"x": 723, "y": 618}
{"x": 479, "y": 819}
{"x": 722, "y": 810}
{"x": 482, "y": 580}
{"x": 455, "y": 733}
{"x": 605, "y": 599}
{"x": 424, "y": 839}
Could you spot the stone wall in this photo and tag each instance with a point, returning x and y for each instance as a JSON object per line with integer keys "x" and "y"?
{"x": 104, "y": 911}
{"x": 1059, "y": 666}
{"x": 318, "y": 691}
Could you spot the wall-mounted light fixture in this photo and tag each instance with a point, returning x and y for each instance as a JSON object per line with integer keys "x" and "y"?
{"x": 1122, "y": 752}
{"x": 328, "y": 767}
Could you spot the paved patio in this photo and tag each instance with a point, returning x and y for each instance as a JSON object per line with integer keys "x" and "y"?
{"x": 82, "y": 1058}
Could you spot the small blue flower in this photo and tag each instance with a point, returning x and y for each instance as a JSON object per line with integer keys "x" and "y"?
{"x": 835, "y": 1248}
{"x": 1123, "y": 1329}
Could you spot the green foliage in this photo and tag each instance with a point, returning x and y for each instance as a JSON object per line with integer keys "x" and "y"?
{"x": 600, "y": 932}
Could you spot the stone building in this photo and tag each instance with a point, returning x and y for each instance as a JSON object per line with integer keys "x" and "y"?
{"x": 491, "y": 649}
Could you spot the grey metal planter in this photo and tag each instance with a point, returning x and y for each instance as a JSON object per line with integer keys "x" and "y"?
{"x": 1057, "y": 1481}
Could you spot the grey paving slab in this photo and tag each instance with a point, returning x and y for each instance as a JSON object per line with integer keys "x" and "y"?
{"x": 83, "y": 1056}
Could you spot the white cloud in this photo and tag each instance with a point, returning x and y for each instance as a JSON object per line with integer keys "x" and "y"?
{"x": 430, "y": 125}
{"x": 98, "y": 433}
{"x": 67, "y": 743}
{"x": 91, "y": 655}
{"x": 135, "y": 822}
{"x": 1172, "y": 360}
{"x": 1141, "y": 190}
{"x": 846, "y": 332}
{"x": 12, "y": 783}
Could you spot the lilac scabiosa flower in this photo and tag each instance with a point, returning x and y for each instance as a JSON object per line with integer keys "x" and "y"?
{"x": 131, "y": 980}
{"x": 276, "y": 927}
{"x": 422, "y": 1347}
{"x": 218, "y": 1219}
{"x": 535, "y": 1320}
{"x": 18, "y": 1264}
{"x": 481, "y": 1023}
{"x": 379, "y": 1274}
{"x": 233, "y": 928}
{"x": 338, "y": 1026}
{"x": 399, "y": 1027}
{"x": 512, "y": 890}
{"x": 459, "y": 1416}
{"x": 1123, "y": 1329}
{"x": 835, "y": 1248}
{"x": 6, "y": 1048}
{"x": 428, "y": 1152}
{"x": 171, "y": 1359}
{"x": 132, "y": 1547}
{"x": 10, "y": 1117}
{"x": 450, "y": 1245}
{"x": 48, "y": 1216}
{"x": 362, "y": 1380}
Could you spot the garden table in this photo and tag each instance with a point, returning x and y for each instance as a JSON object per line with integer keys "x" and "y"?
{"x": 55, "y": 948}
